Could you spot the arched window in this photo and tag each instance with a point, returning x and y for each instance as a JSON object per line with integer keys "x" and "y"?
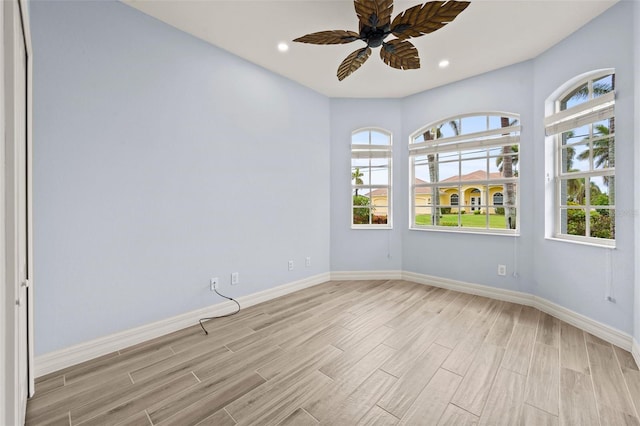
{"x": 498, "y": 199}
{"x": 580, "y": 126}
{"x": 461, "y": 160}
{"x": 371, "y": 178}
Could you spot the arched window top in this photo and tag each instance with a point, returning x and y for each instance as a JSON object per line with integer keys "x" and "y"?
{"x": 371, "y": 136}
{"x": 463, "y": 127}
{"x": 588, "y": 98}
{"x": 589, "y": 86}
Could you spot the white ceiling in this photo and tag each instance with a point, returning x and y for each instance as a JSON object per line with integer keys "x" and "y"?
{"x": 488, "y": 35}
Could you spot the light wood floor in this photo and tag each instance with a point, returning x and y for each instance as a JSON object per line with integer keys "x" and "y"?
{"x": 356, "y": 353}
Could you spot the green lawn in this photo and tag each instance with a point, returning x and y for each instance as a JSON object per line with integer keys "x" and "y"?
{"x": 467, "y": 220}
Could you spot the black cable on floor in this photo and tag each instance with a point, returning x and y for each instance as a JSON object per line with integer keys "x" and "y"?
{"x": 221, "y": 316}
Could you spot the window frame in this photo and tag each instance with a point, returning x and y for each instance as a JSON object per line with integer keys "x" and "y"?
{"x": 487, "y": 139}
{"x": 375, "y": 151}
{"x": 556, "y": 121}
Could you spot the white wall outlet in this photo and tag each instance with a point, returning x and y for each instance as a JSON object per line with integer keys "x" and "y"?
{"x": 502, "y": 270}
{"x": 307, "y": 261}
{"x": 235, "y": 278}
{"x": 291, "y": 265}
{"x": 214, "y": 283}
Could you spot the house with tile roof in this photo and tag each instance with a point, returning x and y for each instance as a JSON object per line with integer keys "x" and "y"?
{"x": 468, "y": 195}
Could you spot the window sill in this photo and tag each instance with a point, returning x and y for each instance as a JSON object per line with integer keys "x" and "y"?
{"x": 383, "y": 227}
{"x": 498, "y": 233}
{"x": 611, "y": 246}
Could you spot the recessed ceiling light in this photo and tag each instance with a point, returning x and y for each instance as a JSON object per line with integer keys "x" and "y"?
{"x": 283, "y": 47}
{"x": 443, "y": 63}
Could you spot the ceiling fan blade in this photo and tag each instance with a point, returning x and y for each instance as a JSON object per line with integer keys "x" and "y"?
{"x": 373, "y": 13}
{"x": 353, "y": 62}
{"x": 427, "y": 18}
{"x": 329, "y": 37}
{"x": 400, "y": 54}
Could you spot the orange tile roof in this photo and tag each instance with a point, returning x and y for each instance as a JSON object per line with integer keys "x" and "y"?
{"x": 477, "y": 175}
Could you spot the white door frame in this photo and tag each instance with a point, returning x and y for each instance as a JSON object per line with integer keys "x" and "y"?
{"x": 12, "y": 400}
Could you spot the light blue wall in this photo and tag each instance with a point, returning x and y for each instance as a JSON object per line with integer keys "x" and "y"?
{"x": 159, "y": 162}
{"x": 571, "y": 275}
{"x": 359, "y": 249}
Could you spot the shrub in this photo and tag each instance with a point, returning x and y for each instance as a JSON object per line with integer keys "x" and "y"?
{"x": 601, "y": 200}
{"x": 379, "y": 219}
{"x": 445, "y": 210}
{"x": 499, "y": 211}
{"x": 462, "y": 211}
{"x": 361, "y": 214}
{"x": 600, "y": 224}
{"x": 477, "y": 212}
{"x": 575, "y": 222}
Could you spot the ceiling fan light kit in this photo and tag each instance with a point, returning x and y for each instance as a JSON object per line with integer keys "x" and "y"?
{"x": 375, "y": 26}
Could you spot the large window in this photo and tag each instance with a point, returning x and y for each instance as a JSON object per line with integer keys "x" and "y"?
{"x": 371, "y": 179}
{"x": 582, "y": 130}
{"x": 468, "y": 165}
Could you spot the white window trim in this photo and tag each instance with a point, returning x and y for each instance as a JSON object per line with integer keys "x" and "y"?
{"x": 373, "y": 151}
{"x": 485, "y": 139}
{"x": 556, "y": 122}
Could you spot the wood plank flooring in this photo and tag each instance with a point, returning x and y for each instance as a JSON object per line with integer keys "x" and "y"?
{"x": 355, "y": 353}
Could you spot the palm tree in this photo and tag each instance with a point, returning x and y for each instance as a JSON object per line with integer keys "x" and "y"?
{"x": 603, "y": 154}
{"x": 571, "y": 153}
{"x": 514, "y": 148}
{"x": 599, "y": 88}
{"x": 575, "y": 191}
{"x": 509, "y": 188}
{"x": 357, "y": 177}
{"x": 432, "y": 161}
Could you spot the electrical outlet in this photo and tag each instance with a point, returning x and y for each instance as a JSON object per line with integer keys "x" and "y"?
{"x": 291, "y": 265}
{"x": 307, "y": 261}
{"x": 502, "y": 270}
{"x": 214, "y": 283}
{"x": 235, "y": 278}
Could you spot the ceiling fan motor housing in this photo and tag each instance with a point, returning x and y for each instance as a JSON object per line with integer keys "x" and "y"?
{"x": 374, "y": 36}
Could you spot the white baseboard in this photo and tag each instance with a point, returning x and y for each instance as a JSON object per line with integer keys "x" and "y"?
{"x": 603, "y": 331}
{"x": 598, "y": 329}
{"x": 635, "y": 351}
{"x": 54, "y": 361}
{"x": 464, "y": 287}
{"x": 365, "y": 275}
{"x": 57, "y": 360}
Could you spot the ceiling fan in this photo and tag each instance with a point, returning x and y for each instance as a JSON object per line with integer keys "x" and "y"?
{"x": 375, "y": 26}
